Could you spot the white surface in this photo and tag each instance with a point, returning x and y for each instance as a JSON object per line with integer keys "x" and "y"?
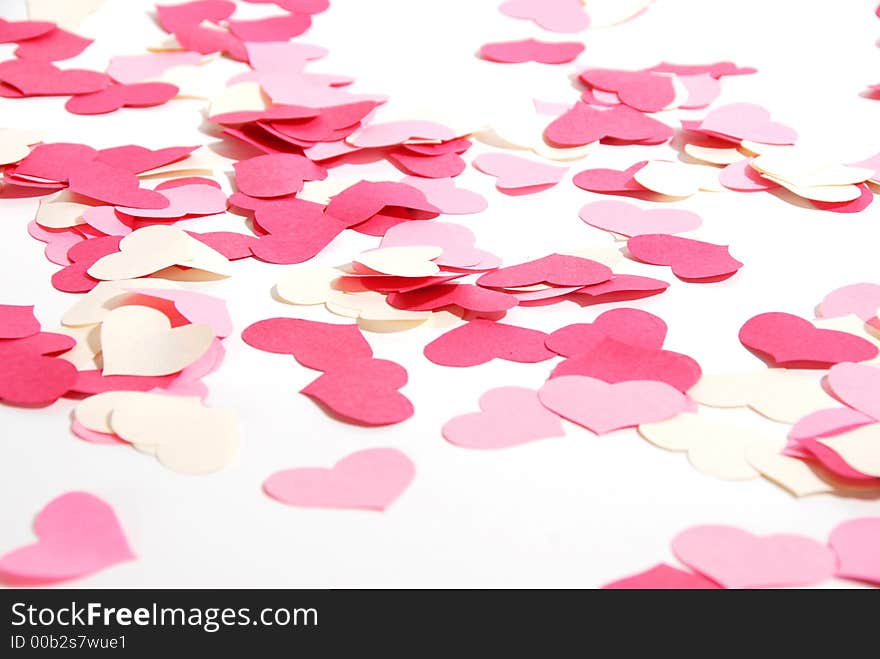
{"x": 573, "y": 511}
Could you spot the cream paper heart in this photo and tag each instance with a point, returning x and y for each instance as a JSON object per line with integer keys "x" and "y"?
{"x": 243, "y": 97}
{"x": 201, "y": 162}
{"x": 93, "y": 307}
{"x": 405, "y": 261}
{"x": 138, "y": 340}
{"x": 154, "y": 248}
{"x": 60, "y": 211}
{"x": 859, "y": 448}
{"x": 677, "y": 179}
{"x": 714, "y": 155}
{"x": 307, "y": 284}
{"x": 714, "y": 448}
{"x": 15, "y": 143}
{"x": 778, "y": 394}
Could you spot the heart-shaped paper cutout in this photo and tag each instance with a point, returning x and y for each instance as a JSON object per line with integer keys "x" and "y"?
{"x": 553, "y": 15}
{"x": 137, "y": 95}
{"x": 691, "y": 260}
{"x": 531, "y": 50}
{"x": 633, "y": 326}
{"x": 555, "y": 269}
{"x": 630, "y": 220}
{"x": 322, "y": 346}
{"x": 857, "y": 545}
{"x": 480, "y": 341}
{"x": 513, "y": 172}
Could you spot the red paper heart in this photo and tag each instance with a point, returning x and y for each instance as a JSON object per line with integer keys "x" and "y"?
{"x": 480, "y": 341}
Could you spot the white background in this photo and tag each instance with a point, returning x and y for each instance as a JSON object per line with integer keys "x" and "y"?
{"x": 573, "y": 511}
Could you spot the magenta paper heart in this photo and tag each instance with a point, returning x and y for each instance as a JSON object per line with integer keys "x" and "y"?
{"x": 322, "y": 346}
{"x": 610, "y": 180}
{"x": 449, "y": 199}
{"x": 630, "y": 220}
{"x": 444, "y": 165}
{"x": 480, "y": 341}
{"x": 467, "y": 296}
{"x": 113, "y": 186}
{"x": 11, "y": 31}
{"x": 788, "y": 341}
{"x": 17, "y": 322}
{"x": 31, "y": 378}
{"x": 662, "y": 577}
{"x": 857, "y": 545}
{"x": 137, "y": 95}
{"x": 369, "y": 480}
{"x": 510, "y": 416}
{"x": 737, "y": 559}
{"x": 691, "y": 260}
{"x": 137, "y": 159}
{"x": 863, "y": 300}
{"x": 276, "y": 174}
{"x": 364, "y": 199}
{"x": 271, "y": 29}
{"x": 514, "y": 172}
{"x": 78, "y": 534}
{"x": 194, "y": 199}
{"x": 857, "y": 385}
{"x": 602, "y": 407}
{"x": 641, "y": 90}
{"x": 531, "y": 50}
{"x": 175, "y": 17}
{"x": 364, "y": 391}
{"x": 36, "y": 78}
{"x": 53, "y": 46}
{"x": 584, "y": 124}
{"x": 746, "y": 121}
{"x": 632, "y": 326}
{"x": 55, "y": 161}
{"x": 555, "y": 269}
{"x": 553, "y": 15}
{"x": 614, "y": 361}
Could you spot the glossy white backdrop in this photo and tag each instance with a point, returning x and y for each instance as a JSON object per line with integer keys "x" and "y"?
{"x": 573, "y": 511}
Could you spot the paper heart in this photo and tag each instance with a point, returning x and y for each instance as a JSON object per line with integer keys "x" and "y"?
{"x": 137, "y": 159}
{"x": 276, "y": 174}
{"x": 138, "y": 340}
{"x": 78, "y": 534}
{"x": 15, "y": 144}
{"x": 629, "y": 220}
{"x": 457, "y": 242}
{"x": 35, "y": 78}
{"x": 824, "y": 423}
{"x": 742, "y": 177}
{"x": 746, "y": 121}
{"x": 128, "y": 69}
{"x": 113, "y": 186}
{"x": 553, "y": 15}
{"x": 442, "y": 193}
{"x": 11, "y": 31}
{"x": 175, "y": 17}
{"x": 55, "y": 161}
{"x": 514, "y": 172}
{"x": 857, "y": 545}
{"x": 74, "y": 278}
{"x": 737, "y": 559}
{"x": 788, "y": 341}
{"x": 584, "y": 124}
{"x": 863, "y": 300}
{"x": 614, "y": 361}
{"x": 398, "y": 132}
{"x": 531, "y": 50}
{"x": 193, "y": 199}
{"x": 632, "y": 326}
{"x": 857, "y": 449}
{"x": 662, "y": 577}
{"x": 642, "y": 90}
{"x": 17, "y": 321}
{"x": 322, "y": 346}
{"x": 467, "y": 296}
{"x": 29, "y": 377}
{"x": 57, "y": 44}
{"x": 136, "y": 95}
{"x": 364, "y": 391}
{"x": 364, "y": 199}
{"x": 858, "y": 386}
{"x": 371, "y": 479}
{"x": 691, "y": 260}
{"x": 555, "y": 269}
{"x": 402, "y": 261}
{"x": 193, "y": 306}
{"x": 510, "y": 416}
{"x": 272, "y": 28}
{"x": 602, "y": 407}
{"x": 610, "y": 180}
{"x": 480, "y": 341}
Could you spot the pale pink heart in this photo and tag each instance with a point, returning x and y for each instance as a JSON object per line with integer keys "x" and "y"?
{"x": 630, "y": 220}
{"x": 510, "y": 416}
{"x": 863, "y": 300}
{"x": 196, "y": 307}
{"x": 737, "y": 559}
{"x": 554, "y": 15}
{"x": 742, "y": 177}
{"x": 449, "y": 199}
{"x": 78, "y": 534}
{"x": 870, "y": 163}
{"x": 858, "y": 386}
{"x": 130, "y": 69}
{"x": 457, "y": 242}
{"x": 825, "y": 423}
{"x": 105, "y": 220}
{"x": 282, "y": 55}
{"x": 603, "y": 407}
{"x": 371, "y": 479}
{"x": 309, "y": 90}
{"x": 398, "y": 132}
{"x": 746, "y": 121}
{"x": 192, "y": 199}
{"x": 327, "y": 150}
{"x": 57, "y": 242}
{"x": 513, "y": 172}
{"x": 702, "y": 89}
{"x": 857, "y": 545}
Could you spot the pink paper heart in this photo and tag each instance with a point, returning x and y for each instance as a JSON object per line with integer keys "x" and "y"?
{"x": 602, "y": 407}
{"x": 467, "y": 296}
{"x": 276, "y": 174}
{"x": 271, "y": 29}
{"x": 442, "y": 193}
{"x": 531, "y": 50}
{"x": 456, "y": 240}
{"x": 642, "y": 90}
{"x": 52, "y": 46}
{"x": 510, "y": 416}
{"x": 632, "y": 326}
{"x": 480, "y": 341}
{"x": 584, "y": 124}
{"x": 17, "y": 321}
{"x": 398, "y": 132}
{"x": 194, "y": 306}
{"x": 554, "y": 15}
{"x": 691, "y": 260}
{"x": 825, "y": 423}
{"x": 114, "y": 186}
{"x": 136, "y": 95}
{"x": 177, "y": 16}
{"x": 371, "y": 479}
{"x": 137, "y": 159}
{"x": 746, "y": 121}
{"x": 610, "y": 180}
{"x": 128, "y": 69}
{"x": 862, "y": 300}
{"x": 444, "y": 165}
{"x": 364, "y": 199}
{"x": 38, "y": 78}
{"x": 857, "y": 385}
{"x": 662, "y": 577}
{"x": 514, "y": 172}
{"x": 195, "y": 199}
{"x": 702, "y": 89}
{"x": 11, "y": 31}
{"x": 555, "y": 269}
{"x": 78, "y": 534}
{"x": 857, "y": 545}
{"x": 788, "y": 341}
{"x": 322, "y": 346}
{"x": 740, "y": 176}
{"x": 629, "y": 220}
{"x": 737, "y": 559}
